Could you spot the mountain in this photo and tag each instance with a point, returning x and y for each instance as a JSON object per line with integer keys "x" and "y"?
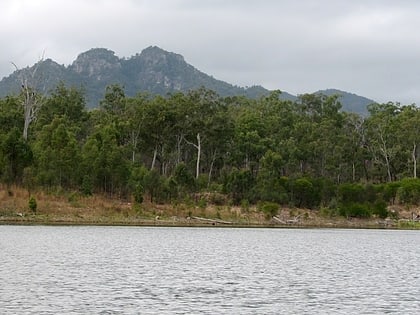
{"x": 154, "y": 70}
{"x": 351, "y": 102}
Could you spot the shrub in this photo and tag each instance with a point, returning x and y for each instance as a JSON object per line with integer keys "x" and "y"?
{"x": 303, "y": 193}
{"x": 32, "y": 204}
{"x": 351, "y": 193}
{"x": 409, "y": 191}
{"x": 390, "y": 191}
{"x": 87, "y": 186}
{"x": 355, "y": 210}
{"x": 380, "y": 209}
{"x": 270, "y": 209}
{"x": 138, "y": 194}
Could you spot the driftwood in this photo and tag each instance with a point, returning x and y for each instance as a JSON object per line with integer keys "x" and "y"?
{"x": 290, "y": 221}
{"x": 211, "y": 220}
{"x": 277, "y": 219}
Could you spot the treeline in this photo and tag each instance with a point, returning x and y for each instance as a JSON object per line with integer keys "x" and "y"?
{"x": 306, "y": 153}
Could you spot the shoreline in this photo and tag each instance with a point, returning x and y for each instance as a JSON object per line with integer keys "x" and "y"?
{"x": 184, "y": 222}
{"x": 67, "y": 209}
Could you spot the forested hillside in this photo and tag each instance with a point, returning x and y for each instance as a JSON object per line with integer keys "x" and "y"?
{"x": 236, "y": 150}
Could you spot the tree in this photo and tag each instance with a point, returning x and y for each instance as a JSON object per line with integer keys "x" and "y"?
{"x": 381, "y": 131}
{"x": 103, "y": 160}
{"x": 31, "y": 98}
{"x": 16, "y": 155}
{"x": 68, "y": 103}
{"x": 408, "y": 135}
{"x": 57, "y": 154}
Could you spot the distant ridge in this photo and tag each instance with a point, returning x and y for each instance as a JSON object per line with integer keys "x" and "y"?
{"x": 154, "y": 70}
{"x": 351, "y": 102}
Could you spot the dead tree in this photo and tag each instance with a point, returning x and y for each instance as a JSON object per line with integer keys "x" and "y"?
{"x": 31, "y": 97}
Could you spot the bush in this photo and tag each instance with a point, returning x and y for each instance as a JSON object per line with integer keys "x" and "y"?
{"x": 303, "y": 193}
{"x": 351, "y": 193}
{"x": 390, "y": 191}
{"x": 380, "y": 209}
{"x": 355, "y": 210}
{"x": 138, "y": 194}
{"x": 87, "y": 186}
{"x": 409, "y": 191}
{"x": 270, "y": 209}
{"x": 32, "y": 204}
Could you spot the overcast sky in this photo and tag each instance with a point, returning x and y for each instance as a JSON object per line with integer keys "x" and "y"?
{"x": 367, "y": 47}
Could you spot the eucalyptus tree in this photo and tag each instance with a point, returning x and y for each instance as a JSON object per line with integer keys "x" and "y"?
{"x": 104, "y": 162}
{"x": 135, "y": 115}
{"x": 408, "y": 135}
{"x": 65, "y": 102}
{"x": 15, "y": 156}
{"x": 317, "y": 133}
{"x": 205, "y": 121}
{"x": 381, "y": 128}
{"x": 57, "y": 154}
{"x": 353, "y": 150}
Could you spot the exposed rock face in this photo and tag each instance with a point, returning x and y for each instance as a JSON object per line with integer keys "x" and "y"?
{"x": 95, "y": 63}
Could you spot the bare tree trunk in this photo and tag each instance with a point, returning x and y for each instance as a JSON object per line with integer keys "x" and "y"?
{"x": 154, "y": 158}
{"x": 213, "y": 159}
{"x": 31, "y": 101}
{"x": 134, "y": 142}
{"x": 414, "y": 155}
{"x": 353, "y": 172}
{"x": 385, "y": 154}
{"x": 198, "y": 147}
{"x": 179, "y": 139}
{"x": 198, "y": 155}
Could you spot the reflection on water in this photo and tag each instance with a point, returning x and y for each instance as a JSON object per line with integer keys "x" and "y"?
{"x": 127, "y": 270}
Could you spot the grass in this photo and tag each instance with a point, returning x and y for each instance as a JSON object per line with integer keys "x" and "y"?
{"x": 60, "y": 207}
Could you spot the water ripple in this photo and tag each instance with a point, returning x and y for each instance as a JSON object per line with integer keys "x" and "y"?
{"x": 116, "y": 270}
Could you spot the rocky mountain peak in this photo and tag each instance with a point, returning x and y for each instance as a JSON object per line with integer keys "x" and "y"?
{"x": 95, "y": 61}
{"x": 154, "y": 55}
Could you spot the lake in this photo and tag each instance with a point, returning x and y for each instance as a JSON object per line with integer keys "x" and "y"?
{"x": 157, "y": 270}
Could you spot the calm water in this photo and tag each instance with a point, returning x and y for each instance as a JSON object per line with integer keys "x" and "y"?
{"x": 137, "y": 270}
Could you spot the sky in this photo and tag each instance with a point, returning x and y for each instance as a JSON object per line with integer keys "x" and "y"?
{"x": 367, "y": 47}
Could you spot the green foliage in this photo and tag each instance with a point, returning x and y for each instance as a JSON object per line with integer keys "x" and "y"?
{"x": 32, "y": 204}
{"x": 138, "y": 193}
{"x": 183, "y": 177}
{"x": 355, "y": 210}
{"x": 380, "y": 209}
{"x": 16, "y": 154}
{"x": 239, "y": 184}
{"x": 390, "y": 191}
{"x": 409, "y": 191}
{"x": 303, "y": 192}
{"x": 153, "y": 185}
{"x": 270, "y": 209}
{"x": 351, "y": 193}
{"x": 87, "y": 186}
{"x": 306, "y": 153}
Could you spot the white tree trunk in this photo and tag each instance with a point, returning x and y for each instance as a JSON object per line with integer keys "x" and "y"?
{"x": 198, "y": 155}
{"x": 213, "y": 159}
{"x": 31, "y": 101}
{"x": 414, "y": 155}
{"x": 154, "y": 158}
{"x": 198, "y": 147}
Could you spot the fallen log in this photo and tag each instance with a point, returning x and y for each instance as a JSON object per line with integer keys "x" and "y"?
{"x": 279, "y": 220}
{"x": 211, "y": 220}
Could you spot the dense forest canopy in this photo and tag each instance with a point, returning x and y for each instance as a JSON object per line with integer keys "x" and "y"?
{"x": 304, "y": 153}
